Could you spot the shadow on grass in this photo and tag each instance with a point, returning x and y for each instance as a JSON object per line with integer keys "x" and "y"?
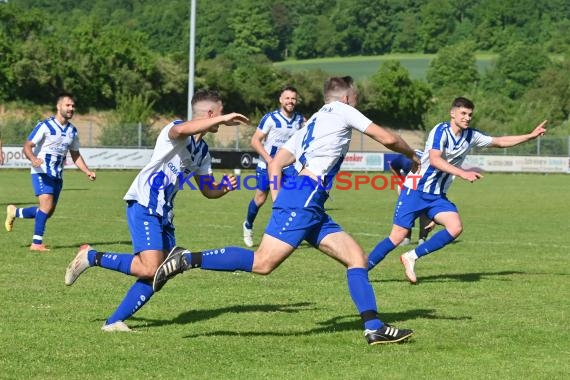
{"x": 340, "y": 323}
{"x": 458, "y": 277}
{"x": 192, "y": 316}
{"x": 336, "y": 324}
{"x": 29, "y": 203}
{"x": 95, "y": 245}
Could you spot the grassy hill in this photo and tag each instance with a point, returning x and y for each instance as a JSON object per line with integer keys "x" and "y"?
{"x": 363, "y": 67}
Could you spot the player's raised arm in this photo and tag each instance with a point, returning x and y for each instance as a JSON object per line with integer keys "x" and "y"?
{"x": 437, "y": 161}
{"x": 508, "y": 141}
{"x": 192, "y": 127}
{"x": 391, "y": 140}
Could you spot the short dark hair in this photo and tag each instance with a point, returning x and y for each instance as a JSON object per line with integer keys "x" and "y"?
{"x": 335, "y": 85}
{"x": 206, "y": 94}
{"x": 288, "y": 88}
{"x": 65, "y": 94}
{"x": 462, "y": 102}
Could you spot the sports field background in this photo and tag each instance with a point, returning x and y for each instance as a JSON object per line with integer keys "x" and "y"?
{"x": 492, "y": 305}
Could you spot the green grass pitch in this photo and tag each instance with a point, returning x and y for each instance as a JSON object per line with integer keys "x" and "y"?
{"x": 362, "y": 67}
{"x": 492, "y": 305}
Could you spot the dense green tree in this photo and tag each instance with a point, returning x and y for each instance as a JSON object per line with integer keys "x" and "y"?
{"x": 395, "y": 99}
{"x": 106, "y": 51}
{"x": 437, "y": 24}
{"x": 406, "y": 38}
{"x": 253, "y": 30}
{"x": 551, "y": 92}
{"x": 305, "y": 38}
{"x": 454, "y": 67}
{"x": 517, "y": 67}
{"x": 212, "y": 32}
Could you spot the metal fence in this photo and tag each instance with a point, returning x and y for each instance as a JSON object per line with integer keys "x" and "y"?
{"x": 237, "y": 138}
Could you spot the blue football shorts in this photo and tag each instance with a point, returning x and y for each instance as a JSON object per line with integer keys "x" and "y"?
{"x": 298, "y": 213}
{"x": 412, "y": 203}
{"x": 148, "y": 230}
{"x": 262, "y": 177}
{"x": 44, "y": 184}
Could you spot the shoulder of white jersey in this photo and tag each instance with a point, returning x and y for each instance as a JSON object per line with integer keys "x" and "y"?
{"x": 267, "y": 117}
{"x": 475, "y": 130}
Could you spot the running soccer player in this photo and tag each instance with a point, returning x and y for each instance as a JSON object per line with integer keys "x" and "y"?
{"x": 298, "y": 210}
{"x": 274, "y": 129}
{"x": 180, "y": 153}
{"x": 446, "y": 148}
{"x": 47, "y": 147}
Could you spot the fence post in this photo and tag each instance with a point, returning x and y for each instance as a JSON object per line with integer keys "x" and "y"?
{"x": 90, "y": 138}
{"x": 237, "y": 137}
{"x": 139, "y": 134}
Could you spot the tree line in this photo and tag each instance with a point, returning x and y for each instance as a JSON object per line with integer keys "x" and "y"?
{"x": 130, "y": 56}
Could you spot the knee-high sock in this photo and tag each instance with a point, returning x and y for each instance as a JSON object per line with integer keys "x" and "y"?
{"x": 136, "y": 297}
{"x": 363, "y": 297}
{"x": 27, "y": 213}
{"x": 379, "y": 252}
{"x": 439, "y": 240}
{"x": 120, "y": 262}
{"x": 252, "y": 211}
{"x": 40, "y": 227}
{"x": 223, "y": 259}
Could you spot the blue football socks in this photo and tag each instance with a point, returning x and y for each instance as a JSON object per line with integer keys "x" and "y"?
{"x": 363, "y": 297}
{"x": 136, "y": 297}
{"x": 379, "y": 252}
{"x": 439, "y": 240}
{"x": 39, "y": 227}
{"x": 226, "y": 259}
{"x": 27, "y": 213}
{"x": 120, "y": 262}
{"x": 252, "y": 211}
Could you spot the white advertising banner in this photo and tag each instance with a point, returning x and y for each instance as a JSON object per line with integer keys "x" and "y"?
{"x": 363, "y": 161}
{"x": 121, "y": 158}
{"x": 518, "y": 164}
{"x": 96, "y": 158}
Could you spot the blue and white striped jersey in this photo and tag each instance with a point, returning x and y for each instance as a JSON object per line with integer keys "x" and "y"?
{"x": 157, "y": 183}
{"x": 278, "y": 129}
{"x": 53, "y": 141}
{"x": 323, "y": 144}
{"x": 454, "y": 150}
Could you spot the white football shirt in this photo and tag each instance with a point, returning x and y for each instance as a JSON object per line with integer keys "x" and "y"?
{"x": 157, "y": 183}
{"x": 278, "y": 129}
{"x": 53, "y": 141}
{"x": 454, "y": 150}
{"x": 323, "y": 144}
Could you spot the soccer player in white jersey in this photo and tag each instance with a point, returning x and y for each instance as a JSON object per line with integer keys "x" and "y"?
{"x": 274, "y": 129}
{"x": 47, "y": 147}
{"x": 180, "y": 153}
{"x": 445, "y": 150}
{"x": 298, "y": 210}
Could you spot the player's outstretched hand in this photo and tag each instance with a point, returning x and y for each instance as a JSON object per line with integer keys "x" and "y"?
{"x": 471, "y": 176}
{"x": 37, "y": 162}
{"x": 91, "y": 175}
{"x": 540, "y": 129}
{"x": 235, "y": 118}
{"x": 416, "y": 164}
{"x": 231, "y": 182}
